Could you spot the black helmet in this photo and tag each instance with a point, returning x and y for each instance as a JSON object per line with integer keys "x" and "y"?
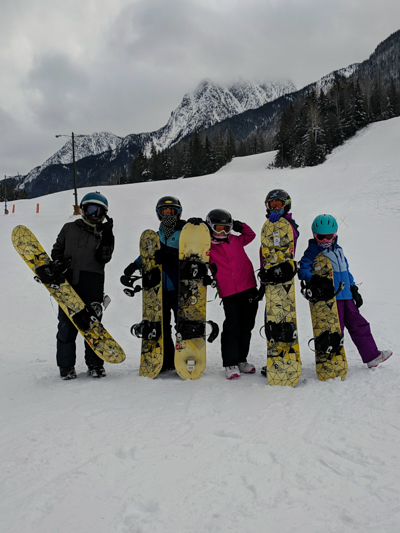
{"x": 219, "y": 217}
{"x": 168, "y": 201}
{"x": 279, "y": 194}
{"x": 94, "y": 206}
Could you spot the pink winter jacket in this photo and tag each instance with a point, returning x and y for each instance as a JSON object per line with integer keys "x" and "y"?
{"x": 235, "y": 272}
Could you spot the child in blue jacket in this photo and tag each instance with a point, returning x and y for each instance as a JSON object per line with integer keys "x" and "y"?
{"x": 169, "y": 210}
{"x": 348, "y": 300}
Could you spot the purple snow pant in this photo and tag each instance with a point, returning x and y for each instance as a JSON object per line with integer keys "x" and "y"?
{"x": 358, "y": 328}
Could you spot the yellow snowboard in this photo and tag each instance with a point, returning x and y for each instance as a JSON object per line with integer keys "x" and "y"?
{"x": 325, "y": 318}
{"x": 97, "y": 337}
{"x": 152, "y": 335}
{"x": 283, "y": 353}
{"x": 190, "y": 348}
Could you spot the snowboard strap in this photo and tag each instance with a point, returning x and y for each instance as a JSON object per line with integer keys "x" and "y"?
{"x": 151, "y": 278}
{"x": 192, "y": 329}
{"x": 318, "y": 294}
{"x": 214, "y": 331}
{"x": 328, "y": 343}
{"x": 150, "y": 331}
{"x": 280, "y": 273}
{"x": 129, "y": 281}
{"x": 281, "y": 332}
{"x": 88, "y": 316}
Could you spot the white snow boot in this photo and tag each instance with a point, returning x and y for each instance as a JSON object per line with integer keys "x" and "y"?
{"x": 232, "y": 372}
{"x": 383, "y": 356}
{"x": 247, "y": 368}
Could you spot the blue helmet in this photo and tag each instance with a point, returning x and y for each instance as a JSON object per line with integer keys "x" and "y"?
{"x": 324, "y": 225}
{"x": 90, "y": 214}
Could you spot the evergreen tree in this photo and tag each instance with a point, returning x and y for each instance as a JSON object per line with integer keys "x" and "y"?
{"x": 139, "y": 168}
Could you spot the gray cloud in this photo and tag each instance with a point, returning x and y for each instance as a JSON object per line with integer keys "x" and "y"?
{"x": 124, "y": 65}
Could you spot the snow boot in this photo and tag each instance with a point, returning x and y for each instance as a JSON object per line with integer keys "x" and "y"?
{"x": 232, "y": 372}
{"x": 67, "y": 372}
{"x": 97, "y": 371}
{"x": 383, "y": 356}
{"x": 247, "y": 368}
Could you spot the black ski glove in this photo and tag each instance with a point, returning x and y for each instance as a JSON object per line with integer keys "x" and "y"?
{"x": 237, "y": 226}
{"x": 107, "y": 237}
{"x": 194, "y": 220}
{"x": 130, "y": 269}
{"x": 357, "y": 299}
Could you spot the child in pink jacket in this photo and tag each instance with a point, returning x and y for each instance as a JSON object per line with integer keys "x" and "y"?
{"x": 237, "y": 288}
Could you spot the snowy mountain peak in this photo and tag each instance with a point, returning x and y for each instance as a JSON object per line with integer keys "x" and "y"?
{"x": 211, "y": 103}
{"x": 85, "y": 145}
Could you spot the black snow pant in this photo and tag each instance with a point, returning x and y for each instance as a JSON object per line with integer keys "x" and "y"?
{"x": 240, "y": 317}
{"x": 170, "y": 303}
{"x": 90, "y": 288}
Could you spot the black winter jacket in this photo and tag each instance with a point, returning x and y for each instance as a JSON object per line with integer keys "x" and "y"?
{"x": 85, "y": 247}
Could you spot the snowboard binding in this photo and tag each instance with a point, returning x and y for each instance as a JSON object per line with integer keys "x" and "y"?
{"x": 281, "y": 332}
{"x": 129, "y": 281}
{"x": 327, "y": 343}
{"x": 280, "y": 273}
{"x": 147, "y": 330}
{"x": 90, "y": 315}
{"x": 192, "y": 330}
{"x": 194, "y": 270}
{"x": 318, "y": 293}
{"x": 52, "y": 273}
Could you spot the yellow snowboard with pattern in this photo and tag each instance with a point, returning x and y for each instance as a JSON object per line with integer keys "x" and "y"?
{"x": 283, "y": 352}
{"x": 31, "y": 251}
{"x": 194, "y": 254}
{"x": 152, "y": 354}
{"x": 330, "y": 362}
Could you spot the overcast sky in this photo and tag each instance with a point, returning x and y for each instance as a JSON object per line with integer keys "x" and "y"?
{"x": 123, "y": 65}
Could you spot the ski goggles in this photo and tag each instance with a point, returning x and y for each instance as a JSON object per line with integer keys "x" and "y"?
{"x": 94, "y": 210}
{"x": 219, "y": 229}
{"x": 168, "y": 210}
{"x": 324, "y": 237}
{"x": 275, "y": 204}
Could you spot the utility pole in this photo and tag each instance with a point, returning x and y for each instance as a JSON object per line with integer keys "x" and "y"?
{"x": 72, "y": 136}
{"x": 76, "y": 209}
{"x": 5, "y": 195}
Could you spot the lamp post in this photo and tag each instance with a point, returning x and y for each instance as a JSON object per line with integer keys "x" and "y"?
{"x": 72, "y": 137}
{"x": 5, "y": 195}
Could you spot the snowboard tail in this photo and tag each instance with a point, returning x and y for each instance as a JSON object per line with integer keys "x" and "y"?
{"x": 94, "y": 333}
{"x": 283, "y": 352}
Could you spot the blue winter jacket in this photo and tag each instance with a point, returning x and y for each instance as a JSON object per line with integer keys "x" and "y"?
{"x": 339, "y": 264}
{"x": 169, "y": 246}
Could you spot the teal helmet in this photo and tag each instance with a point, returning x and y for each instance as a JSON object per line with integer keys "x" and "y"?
{"x": 324, "y": 224}
{"x": 94, "y": 206}
{"x": 324, "y": 229}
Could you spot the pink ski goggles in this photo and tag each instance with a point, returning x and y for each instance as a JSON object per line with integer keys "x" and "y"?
{"x": 327, "y": 237}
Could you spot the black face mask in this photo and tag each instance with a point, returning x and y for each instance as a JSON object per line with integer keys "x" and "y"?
{"x": 169, "y": 223}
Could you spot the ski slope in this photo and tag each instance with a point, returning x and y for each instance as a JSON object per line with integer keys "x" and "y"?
{"x": 127, "y": 454}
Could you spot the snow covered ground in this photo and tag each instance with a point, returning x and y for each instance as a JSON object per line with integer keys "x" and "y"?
{"x": 127, "y": 454}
